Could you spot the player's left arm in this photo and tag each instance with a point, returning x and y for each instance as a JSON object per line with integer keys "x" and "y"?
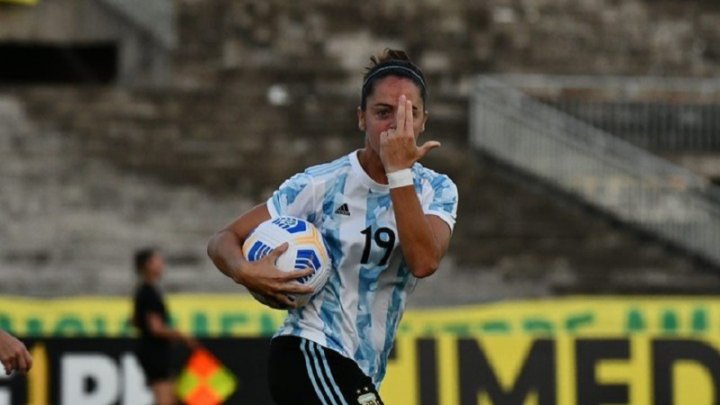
{"x": 424, "y": 239}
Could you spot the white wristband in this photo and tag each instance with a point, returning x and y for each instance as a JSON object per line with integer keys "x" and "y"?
{"x": 400, "y": 178}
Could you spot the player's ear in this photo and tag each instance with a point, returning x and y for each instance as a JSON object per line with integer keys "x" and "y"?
{"x": 361, "y": 119}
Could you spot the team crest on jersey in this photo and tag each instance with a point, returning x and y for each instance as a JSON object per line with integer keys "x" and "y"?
{"x": 291, "y": 225}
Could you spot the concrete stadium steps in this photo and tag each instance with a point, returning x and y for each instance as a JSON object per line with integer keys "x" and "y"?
{"x": 210, "y": 135}
{"x": 525, "y": 232}
{"x": 130, "y": 164}
{"x": 170, "y": 168}
{"x": 578, "y": 162}
{"x": 70, "y": 221}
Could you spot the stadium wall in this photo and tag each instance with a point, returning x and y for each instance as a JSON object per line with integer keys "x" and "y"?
{"x": 261, "y": 89}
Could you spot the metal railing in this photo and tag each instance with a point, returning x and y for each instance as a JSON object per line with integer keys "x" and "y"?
{"x": 658, "y": 113}
{"x": 619, "y": 178}
{"x": 657, "y": 125}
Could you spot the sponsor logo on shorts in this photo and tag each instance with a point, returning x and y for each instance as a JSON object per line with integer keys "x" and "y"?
{"x": 368, "y": 399}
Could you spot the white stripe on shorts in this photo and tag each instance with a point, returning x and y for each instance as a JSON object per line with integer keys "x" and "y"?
{"x": 311, "y": 374}
{"x": 328, "y": 372}
{"x": 318, "y": 371}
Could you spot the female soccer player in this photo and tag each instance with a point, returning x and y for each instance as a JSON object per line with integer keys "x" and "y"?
{"x": 387, "y": 222}
{"x": 151, "y": 318}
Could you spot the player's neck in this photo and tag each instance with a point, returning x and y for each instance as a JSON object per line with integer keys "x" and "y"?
{"x": 371, "y": 163}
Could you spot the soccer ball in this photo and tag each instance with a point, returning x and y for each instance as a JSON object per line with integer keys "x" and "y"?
{"x": 306, "y": 249}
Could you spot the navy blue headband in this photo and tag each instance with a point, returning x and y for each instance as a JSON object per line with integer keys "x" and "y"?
{"x": 395, "y": 67}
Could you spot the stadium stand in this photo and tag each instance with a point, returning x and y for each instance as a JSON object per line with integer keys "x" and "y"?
{"x": 94, "y": 171}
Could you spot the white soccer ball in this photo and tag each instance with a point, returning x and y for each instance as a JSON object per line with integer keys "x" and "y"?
{"x": 306, "y": 249}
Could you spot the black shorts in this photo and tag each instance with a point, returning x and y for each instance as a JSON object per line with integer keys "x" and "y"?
{"x": 302, "y": 372}
{"x": 155, "y": 361}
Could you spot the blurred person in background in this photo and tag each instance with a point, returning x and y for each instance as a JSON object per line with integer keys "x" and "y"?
{"x": 150, "y": 316}
{"x": 13, "y": 354}
{"x": 387, "y": 222}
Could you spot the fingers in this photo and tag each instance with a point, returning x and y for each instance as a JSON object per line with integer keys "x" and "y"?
{"x": 275, "y": 304}
{"x": 272, "y": 303}
{"x": 401, "y": 113}
{"x": 284, "y": 301}
{"x": 427, "y": 147}
{"x": 294, "y": 275}
{"x": 289, "y": 285}
{"x": 15, "y": 357}
{"x": 277, "y": 285}
{"x": 283, "y": 292}
{"x": 28, "y": 361}
{"x": 408, "y": 114}
{"x": 296, "y": 288}
{"x": 277, "y": 252}
{"x": 9, "y": 365}
{"x": 404, "y": 116}
{"x": 384, "y": 135}
{"x": 22, "y": 365}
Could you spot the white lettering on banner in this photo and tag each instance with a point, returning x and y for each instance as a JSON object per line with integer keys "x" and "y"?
{"x": 135, "y": 391}
{"x": 76, "y": 369}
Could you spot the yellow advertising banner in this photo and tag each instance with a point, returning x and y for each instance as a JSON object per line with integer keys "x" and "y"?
{"x": 562, "y": 370}
{"x": 580, "y": 350}
{"x": 239, "y": 315}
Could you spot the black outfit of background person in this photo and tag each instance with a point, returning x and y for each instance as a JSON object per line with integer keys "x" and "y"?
{"x": 153, "y": 353}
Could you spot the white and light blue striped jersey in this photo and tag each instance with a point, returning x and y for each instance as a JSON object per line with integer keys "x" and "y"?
{"x": 358, "y": 311}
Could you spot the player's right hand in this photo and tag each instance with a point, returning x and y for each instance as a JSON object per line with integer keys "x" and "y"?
{"x": 398, "y": 145}
{"x": 13, "y": 354}
{"x": 264, "y": 278}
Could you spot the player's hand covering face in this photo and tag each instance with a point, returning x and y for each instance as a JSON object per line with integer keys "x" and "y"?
{"x": 393, "y": 121}
{"x": 398, "y": 148}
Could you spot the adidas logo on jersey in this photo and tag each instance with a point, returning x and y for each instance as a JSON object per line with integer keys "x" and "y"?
{"x": 343, "y": 210}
